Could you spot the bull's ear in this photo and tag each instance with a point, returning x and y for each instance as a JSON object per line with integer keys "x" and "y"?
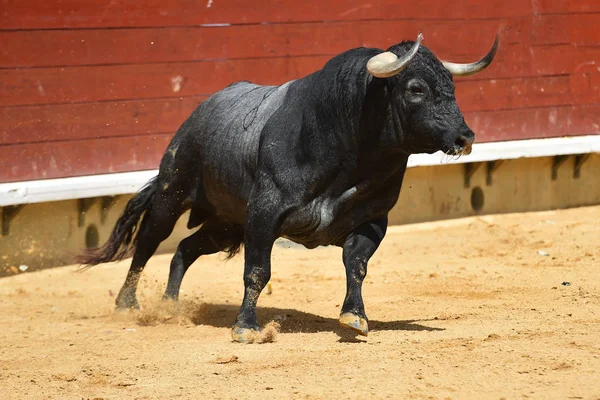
{"x": 473, "y": 68}
{"x": 388, "y": 64}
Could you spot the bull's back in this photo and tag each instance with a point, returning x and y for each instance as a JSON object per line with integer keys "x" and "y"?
{"x": 227, "y": 132}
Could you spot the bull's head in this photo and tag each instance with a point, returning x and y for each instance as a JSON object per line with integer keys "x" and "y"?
{"x": 422, "y": 95}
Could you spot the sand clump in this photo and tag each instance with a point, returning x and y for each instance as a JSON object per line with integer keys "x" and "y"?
{"x": 226, "y": 359}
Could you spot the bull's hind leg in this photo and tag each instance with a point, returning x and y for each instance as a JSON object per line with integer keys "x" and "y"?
{"x": 211, "y": 238}
{"x": 358, "y": 249}
{"x": 156, "y": 226}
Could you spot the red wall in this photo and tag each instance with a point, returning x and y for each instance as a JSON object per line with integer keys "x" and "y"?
{"x": 90, "y": 87}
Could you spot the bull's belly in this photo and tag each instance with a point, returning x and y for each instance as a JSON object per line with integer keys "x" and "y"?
{"x": 324, "y": 221}
{"x": 313, "y": 240}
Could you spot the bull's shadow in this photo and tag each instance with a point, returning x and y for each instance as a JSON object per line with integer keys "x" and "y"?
{"x": 294, "y": 321}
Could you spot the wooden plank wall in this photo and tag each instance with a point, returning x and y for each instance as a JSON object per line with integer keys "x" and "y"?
{"x": 94, "y": 86}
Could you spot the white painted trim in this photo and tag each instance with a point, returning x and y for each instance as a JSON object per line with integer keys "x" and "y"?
{"x": 130, "y": 182}
{"x": 73, "y": 188}
{"x": 514, "y": 149}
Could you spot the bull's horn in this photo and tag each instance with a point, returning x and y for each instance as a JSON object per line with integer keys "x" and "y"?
{"x": 388, "y": 64}
{"x": 472, "y": 68}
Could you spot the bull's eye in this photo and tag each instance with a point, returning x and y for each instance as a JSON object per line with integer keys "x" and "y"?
{"x": 417, "y": 89}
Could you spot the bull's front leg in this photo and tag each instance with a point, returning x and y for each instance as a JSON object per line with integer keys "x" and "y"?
{"x": 359, "y": 246}
{"x": 261, "y": 231}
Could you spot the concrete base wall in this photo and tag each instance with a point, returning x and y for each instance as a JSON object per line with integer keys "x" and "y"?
{"x": 526, "y": 184}
{"x": 44, "y": 235}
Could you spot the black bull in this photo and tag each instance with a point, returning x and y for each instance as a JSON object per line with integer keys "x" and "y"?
{"x": 319, "y": 160}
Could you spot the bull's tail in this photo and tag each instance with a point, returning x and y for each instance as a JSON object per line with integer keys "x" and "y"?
{"x": 123, "y": 238}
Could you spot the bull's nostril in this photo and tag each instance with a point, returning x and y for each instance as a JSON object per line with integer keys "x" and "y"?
{"x": 461, "y": 142}
{"x": 462, "y": 145}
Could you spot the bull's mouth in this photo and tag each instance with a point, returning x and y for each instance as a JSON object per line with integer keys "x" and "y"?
{"x": 458, "y": 151}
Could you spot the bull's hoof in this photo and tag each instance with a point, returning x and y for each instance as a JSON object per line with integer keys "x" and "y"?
{"x": 127, "y": 303}
{"x": 243, "y": 335}
{"x": 170, "y": 299}
{"x": 354, "y": 322}
{"x": 127, "y": 308}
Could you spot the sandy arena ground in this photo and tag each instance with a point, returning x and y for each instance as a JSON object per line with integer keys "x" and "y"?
{"x": 487, "y": 307}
